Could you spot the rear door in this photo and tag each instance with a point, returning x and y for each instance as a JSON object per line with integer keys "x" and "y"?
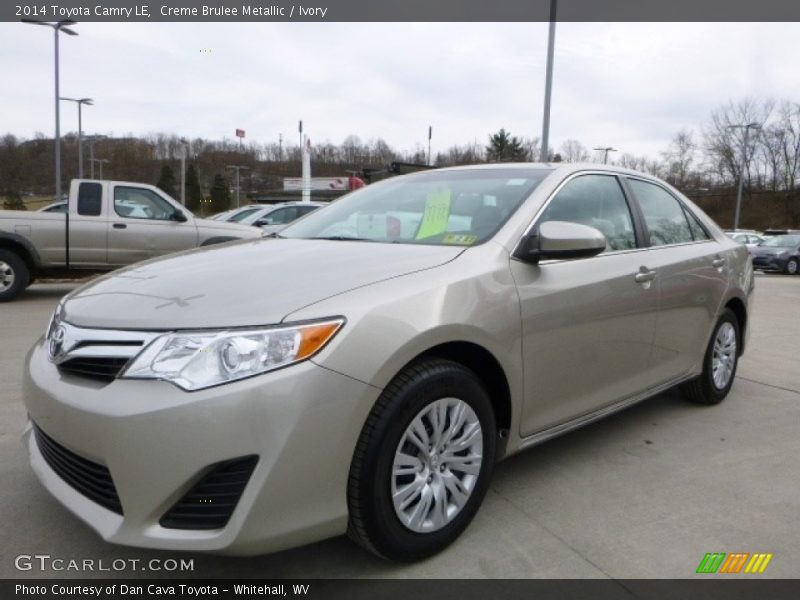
{"x": 140, "y": 226}
{"x": 691, "y": 270}
{"x": 588, "y": 324}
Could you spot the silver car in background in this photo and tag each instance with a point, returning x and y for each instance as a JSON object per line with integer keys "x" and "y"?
{"x": 364, "y": 371}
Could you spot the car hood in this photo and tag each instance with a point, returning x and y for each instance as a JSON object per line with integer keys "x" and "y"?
{"x": 242, "y": 283}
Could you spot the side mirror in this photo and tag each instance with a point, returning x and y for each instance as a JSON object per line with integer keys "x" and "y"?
{"x": 260, "y": 223}
{"x": 560, "y": 240}
{"x": 178, "y": 216}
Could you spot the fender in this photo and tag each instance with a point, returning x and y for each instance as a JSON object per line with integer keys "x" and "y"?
{"x": 19, "y": 240}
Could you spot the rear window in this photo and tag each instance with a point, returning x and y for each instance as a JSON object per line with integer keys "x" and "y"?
{"x": 90, "y": 199}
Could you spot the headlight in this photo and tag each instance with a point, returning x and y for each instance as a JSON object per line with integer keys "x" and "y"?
{"x": 194, "y": 360}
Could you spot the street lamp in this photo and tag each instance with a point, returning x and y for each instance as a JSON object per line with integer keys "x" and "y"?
{"x": 57, "y": 27}
{"x": 80, "y": 102}
{"x": 747, "y": 127}
{"x": 237, "y": 168}
{"x": 100, "y": 162}
{"x": 185, "y": 144}
{"x": 606, "y": 150}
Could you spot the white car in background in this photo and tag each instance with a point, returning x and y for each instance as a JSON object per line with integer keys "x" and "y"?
{"x": 749, "y": 238}
{"x": 274, "y": 217}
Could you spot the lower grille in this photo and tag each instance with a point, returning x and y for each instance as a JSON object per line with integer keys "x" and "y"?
{"x": 89, "y": 478}
{"x": 101, "y": 368}
{"x": 210, "y": 503}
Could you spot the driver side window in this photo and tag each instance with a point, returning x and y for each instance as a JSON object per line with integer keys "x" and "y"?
{"x": 596, "y": 201}
{"x": 140, "y": 203}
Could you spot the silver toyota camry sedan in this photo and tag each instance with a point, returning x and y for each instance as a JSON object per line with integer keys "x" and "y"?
{"x": 365, "y": 371}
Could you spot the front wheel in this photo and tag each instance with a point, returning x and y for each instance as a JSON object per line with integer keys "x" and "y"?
{"x": 422, "y": 464}
{"x": 792, "y": 266}
{"x": 719, "y": 364}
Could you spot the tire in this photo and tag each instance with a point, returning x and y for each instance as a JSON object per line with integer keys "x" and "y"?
{"x": 14, "y": 275}
{"x": 417, "y": 395}
{"x": 792, "y": 266}
{"x": 705, "y": 389}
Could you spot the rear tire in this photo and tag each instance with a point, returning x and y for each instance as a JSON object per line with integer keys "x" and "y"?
{"x": 14, "y": 275}
{"x": 407, "y": 502}
{"x": 719, "y": 363}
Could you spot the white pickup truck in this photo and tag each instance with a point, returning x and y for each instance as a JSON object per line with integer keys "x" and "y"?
{"x": 109, "y": 224}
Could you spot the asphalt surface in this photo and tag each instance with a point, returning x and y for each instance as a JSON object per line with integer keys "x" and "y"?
{"x": 642, "y": 494}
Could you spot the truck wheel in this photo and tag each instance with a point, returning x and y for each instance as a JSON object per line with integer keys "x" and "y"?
{"x": 14, "y": 275}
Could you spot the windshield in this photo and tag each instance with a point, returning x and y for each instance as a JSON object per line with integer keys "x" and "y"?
{"x": 454, "y": 208}
{"x": 782, "y": 241}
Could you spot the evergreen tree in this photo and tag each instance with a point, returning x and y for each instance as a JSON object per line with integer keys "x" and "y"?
{"x": 220, "y": 194}
{"x": 166, "y": 182}
{"x": 194, "y": 195}
{"x": 14, "y": 201}
{"x": 503, "y": 147}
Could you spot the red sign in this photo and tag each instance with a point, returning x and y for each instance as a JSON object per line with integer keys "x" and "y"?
{"x": 240, "y": 133}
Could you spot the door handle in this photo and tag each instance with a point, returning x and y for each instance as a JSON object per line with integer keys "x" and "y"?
{"x": 644, "y": 275}
{"x": 718, "y": 262}
{"x": 119, "y": 226}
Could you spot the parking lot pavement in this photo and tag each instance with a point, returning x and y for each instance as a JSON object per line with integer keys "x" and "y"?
{"x": 644, "y": 493}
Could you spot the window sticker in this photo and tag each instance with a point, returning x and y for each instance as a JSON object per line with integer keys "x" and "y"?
{"x": 463, "y": 239}
{"x": 516, "y": 181}
{"x": 437, "y": 212}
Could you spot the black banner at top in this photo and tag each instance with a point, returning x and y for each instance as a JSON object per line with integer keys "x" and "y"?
{"x": 400, "y": 10}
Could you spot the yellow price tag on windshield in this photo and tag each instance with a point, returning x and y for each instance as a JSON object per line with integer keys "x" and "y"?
{"x": 436, "y": 215}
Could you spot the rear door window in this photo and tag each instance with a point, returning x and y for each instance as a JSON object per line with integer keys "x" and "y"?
{"x": 663, "y": 214}
{"x": 90, "y": 199}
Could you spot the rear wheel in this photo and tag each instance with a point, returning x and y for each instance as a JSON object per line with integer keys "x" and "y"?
{"x": 14, "y": 275}
{"x": 423, "y": 462}
{"x": 719, "y": 363}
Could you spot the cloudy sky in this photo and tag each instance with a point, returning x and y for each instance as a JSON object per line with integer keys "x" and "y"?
{"x": 629, "y": 85}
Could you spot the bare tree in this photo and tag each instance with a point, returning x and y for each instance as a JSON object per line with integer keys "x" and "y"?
{"x": 574, "y": 151}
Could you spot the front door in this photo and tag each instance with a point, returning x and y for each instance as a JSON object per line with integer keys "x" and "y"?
{"x": 588, "y": 324}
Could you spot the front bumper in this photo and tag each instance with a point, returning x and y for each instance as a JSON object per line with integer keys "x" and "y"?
{"x": 155, "y": 439}
{"x": 769, "y": 263}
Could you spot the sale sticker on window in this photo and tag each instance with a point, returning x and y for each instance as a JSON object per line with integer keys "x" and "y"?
{"x": 437, "y": 212}
{"x": 460, "y": 239}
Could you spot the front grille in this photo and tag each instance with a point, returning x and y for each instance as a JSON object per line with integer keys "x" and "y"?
{"x": 211, "y": 501}
{"x": 103, "y": 369}
{"x": 89, "y": 478}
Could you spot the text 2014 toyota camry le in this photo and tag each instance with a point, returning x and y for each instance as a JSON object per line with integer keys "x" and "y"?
{"x": 364, "y": 371}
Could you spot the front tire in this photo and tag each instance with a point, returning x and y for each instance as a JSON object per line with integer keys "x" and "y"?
{"x": 423, "y": 462}
{"x": 14, "y": 275}
{"x": 719, "y": 363}
{"x": 792, "y": 266}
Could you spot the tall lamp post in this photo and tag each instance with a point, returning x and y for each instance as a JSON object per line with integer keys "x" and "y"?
{"x": 605, "y": 150}
{"x": 80, "y": 102}
{"x": 58, "y": 27}
{"x": 548, "y": 82}
{"x": 237, "y": 168}
{"x": 184, "y": 154}
{"x": 747, "y": 127}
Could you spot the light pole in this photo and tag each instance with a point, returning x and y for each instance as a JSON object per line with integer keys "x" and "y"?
{"x": 57, "y": 27}
{"x": 548, "y": 82}
{"x": 430, "y": 134}
{"x": 185, "y": 145}
{"x": 606, "y": 150}
{"x": 80, "y": 102}
{"x": 747, "y": 127}
{"x": 100, "y": 162}
{"x": 237, "y": 168}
